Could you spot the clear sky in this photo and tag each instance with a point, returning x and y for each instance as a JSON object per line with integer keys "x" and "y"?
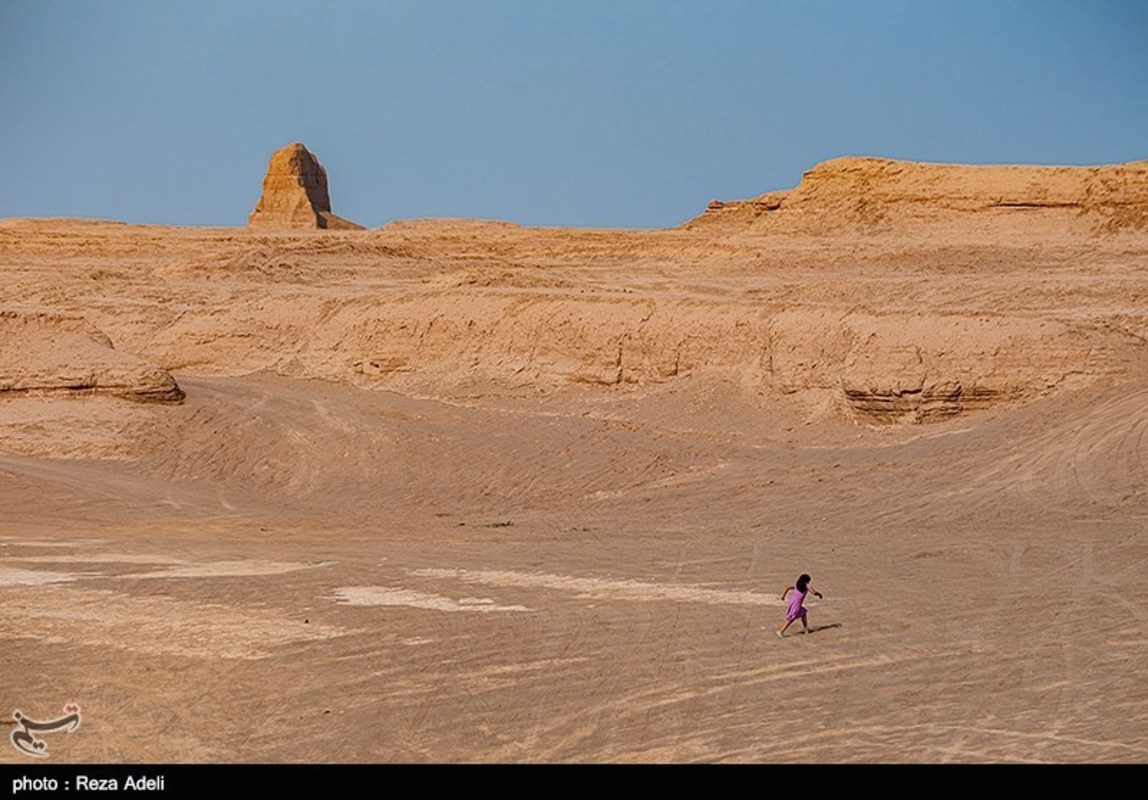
{"x": 618, "y": 113}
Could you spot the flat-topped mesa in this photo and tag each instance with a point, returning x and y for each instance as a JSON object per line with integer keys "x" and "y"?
{"x": 876, "y": 194}
{"x": 295, "y": 194}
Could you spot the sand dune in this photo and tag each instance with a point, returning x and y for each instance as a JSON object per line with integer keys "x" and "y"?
{"x": 923, "y": 384}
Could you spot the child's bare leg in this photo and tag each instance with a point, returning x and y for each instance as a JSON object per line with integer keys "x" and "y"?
{"x": 804, "y": 624}
{"x": 781, "y": 632}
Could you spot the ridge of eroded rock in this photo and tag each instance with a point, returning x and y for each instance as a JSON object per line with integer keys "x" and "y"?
{"x": 44, "y": 354}
{"x": 878, "y": 194}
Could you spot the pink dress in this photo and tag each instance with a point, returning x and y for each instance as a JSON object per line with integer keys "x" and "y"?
{"x": 796, "y": 609}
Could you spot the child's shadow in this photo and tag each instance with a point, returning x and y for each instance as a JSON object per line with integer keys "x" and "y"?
{"x": 819, "y": 628}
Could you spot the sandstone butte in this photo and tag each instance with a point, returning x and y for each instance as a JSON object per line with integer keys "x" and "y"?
{"x": 295, "y": 194}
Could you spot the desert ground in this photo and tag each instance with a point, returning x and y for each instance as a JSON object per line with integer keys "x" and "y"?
{"x": 456, "y": 491}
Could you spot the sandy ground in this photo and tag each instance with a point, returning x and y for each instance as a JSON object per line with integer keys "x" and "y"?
{"x": 487, "y": 550}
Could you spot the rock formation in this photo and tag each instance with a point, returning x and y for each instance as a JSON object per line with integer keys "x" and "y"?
{"x": 876, "y": 291}
{"x": 875, "y": 195}
{"x": 49, "y": 354}
{"x": 295, "y": 194}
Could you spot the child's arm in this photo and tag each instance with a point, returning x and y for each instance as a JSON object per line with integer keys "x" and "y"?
{"x": 819, "y": 595}
{"x": 788, "y": 589}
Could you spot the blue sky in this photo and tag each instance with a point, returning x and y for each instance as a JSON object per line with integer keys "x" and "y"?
{"x": 627, "y": 113}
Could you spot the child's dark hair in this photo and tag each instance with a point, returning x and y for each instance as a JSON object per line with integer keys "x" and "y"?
{"x": 803, "y": 582}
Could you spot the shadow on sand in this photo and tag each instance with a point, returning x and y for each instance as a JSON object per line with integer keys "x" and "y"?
{"x": 813, "y": 629}
{"x": 819, "y": 628}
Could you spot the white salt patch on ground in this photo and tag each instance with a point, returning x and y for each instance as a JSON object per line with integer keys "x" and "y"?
{"x": 155, "y": 625}
{"x": 12, "y": 576}
{"x": 225, "y": 569}
{"x": 602, "y": 588}
{"x": 100, "y": 558}
{"x": 417, "y": 640}
{"x": 36, "y": 543}
{"x": 386, "y": 596}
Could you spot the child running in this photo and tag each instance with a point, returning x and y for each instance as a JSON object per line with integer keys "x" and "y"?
{"x": 796, "y": 604}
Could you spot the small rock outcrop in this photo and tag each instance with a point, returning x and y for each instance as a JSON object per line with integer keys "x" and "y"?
{"x": 295, "y": 194}
{"x": 46, "y": 354}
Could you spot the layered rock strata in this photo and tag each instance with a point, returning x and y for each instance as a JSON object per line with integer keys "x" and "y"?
{"x": 876, "y": 194}
{"x": 295, "y": 194}
{"x": 48, "y": 354}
